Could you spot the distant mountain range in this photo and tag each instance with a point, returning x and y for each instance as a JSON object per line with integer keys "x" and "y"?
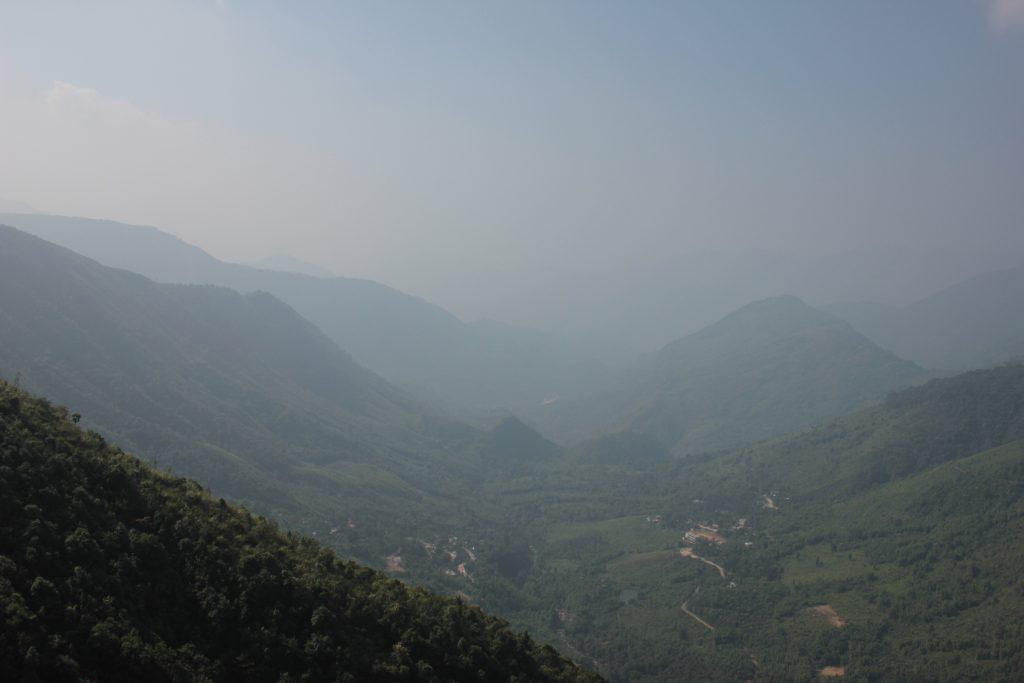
{"x": 769, "y": 368}
{"x": 724, "y": 518}
{"x": 235, "y": 390}
{"x": 644, "y": 306}
{"x": 473, "y": 369}
{"x": 290, "y": 264}
{"x": 975, "y": 323}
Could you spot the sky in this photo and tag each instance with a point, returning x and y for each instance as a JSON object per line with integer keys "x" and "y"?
{"x": 436, "y": 145}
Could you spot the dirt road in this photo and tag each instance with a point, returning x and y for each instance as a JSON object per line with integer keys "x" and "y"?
{"x": 688, "y": 552}
{"x": 693, "y": 616}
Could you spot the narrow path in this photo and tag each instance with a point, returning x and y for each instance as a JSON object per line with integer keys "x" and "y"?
{"x": 686, "y": 609}
{"x": 688, "y": 552}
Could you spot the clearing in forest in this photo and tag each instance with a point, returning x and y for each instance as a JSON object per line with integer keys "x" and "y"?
{"x": 830, "y": 615}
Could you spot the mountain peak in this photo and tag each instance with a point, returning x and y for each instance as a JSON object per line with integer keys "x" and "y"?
{"x": 513, "y": 440}
{"x": 776, "y": 315}
{"x": 771, "y": 366}
{"x": 751, "y": 327}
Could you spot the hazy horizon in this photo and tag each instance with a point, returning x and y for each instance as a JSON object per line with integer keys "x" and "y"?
{"x": 553, "y": 340}
{"x": 488, "y": 158}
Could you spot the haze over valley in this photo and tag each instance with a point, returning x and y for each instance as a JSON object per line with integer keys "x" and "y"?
{"x": 519, "y": 342}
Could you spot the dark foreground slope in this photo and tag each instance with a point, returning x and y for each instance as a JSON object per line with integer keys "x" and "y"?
{"x": 112, "y": 571}
{"x": 236, "y": 391}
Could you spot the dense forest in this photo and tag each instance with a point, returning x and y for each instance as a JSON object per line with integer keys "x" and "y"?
{"x": 110, "y": 570}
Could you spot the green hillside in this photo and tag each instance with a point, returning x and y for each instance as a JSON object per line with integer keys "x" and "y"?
{"x": 236, "y": 391}
{"x": 767, "y": 369}
{"x": 112, "y": 571}
{"x": 511, "y": 441}
{"x": 625, "y": 449}
{"x": 886, "y": 543}
{"x": 248, "y": 398}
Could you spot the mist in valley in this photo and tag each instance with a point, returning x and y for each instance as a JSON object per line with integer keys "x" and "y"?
{"x": 685, "y": 337}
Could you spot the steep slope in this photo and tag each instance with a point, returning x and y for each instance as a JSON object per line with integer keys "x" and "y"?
{"x": 625, "y": 449}
{"x": 512, "y": 442}
{"x": 911, "y": 431}
{"x": 112, "y": 571}
{"x": 403, "y": 338}
{"x": 975, "y": 323}
{"x": 237, "y": 391}
{"x": 771, "y": 367}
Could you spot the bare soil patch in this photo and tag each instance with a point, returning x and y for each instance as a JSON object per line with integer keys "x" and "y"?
{"x": 688, "y": 552}
{"x": 695, "y": 535}
{"x": 394, "y": 563}
{"x": 830, "y": 615}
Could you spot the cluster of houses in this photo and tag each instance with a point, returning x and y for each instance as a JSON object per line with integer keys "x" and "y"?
{"x": 704, "y": 532}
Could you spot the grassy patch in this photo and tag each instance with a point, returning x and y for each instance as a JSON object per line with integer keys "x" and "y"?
{"x": 819, "y": 563}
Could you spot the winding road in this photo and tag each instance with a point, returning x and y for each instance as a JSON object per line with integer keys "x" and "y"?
{"x": 688, "y": 552}
{"x": 686, "y": 609}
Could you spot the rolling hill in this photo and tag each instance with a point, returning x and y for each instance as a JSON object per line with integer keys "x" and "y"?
{"x": 237, "y": 391}
{"x": 976, "y": 323}
{"x": 882, "y": 546}
{"x": 771, "y": 367}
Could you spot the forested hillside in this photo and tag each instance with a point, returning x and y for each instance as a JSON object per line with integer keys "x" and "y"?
{"x": 112, "y": 571}
{"x": 883, "y": 546}
{"x": 237, "y": 391}
{"x": 409, "y": 341}
{"x": 769, "y": 368}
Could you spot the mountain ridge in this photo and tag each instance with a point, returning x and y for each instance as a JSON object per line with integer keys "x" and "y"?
{"x": 405, "y": 339}
{"x": 974, "y": 323}
{"x": 237, "y": 390}
{"x": 772, "y": 366}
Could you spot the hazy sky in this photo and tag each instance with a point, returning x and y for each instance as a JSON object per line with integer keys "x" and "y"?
{"x": 407, "y": 141}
